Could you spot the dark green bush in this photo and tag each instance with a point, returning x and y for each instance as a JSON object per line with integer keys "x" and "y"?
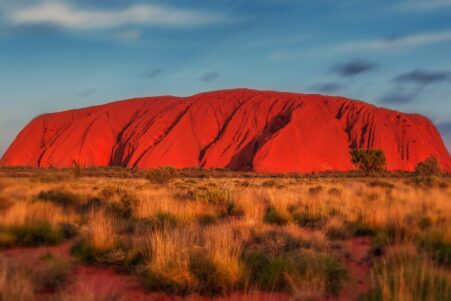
{"x": 428, "y": 167}
{"x": 369, "y": 160}
{"x": 336, "y": 273}
{"x": 51, "y": 271}
{"x": 334, "y": 191}
{"x": 437, "y": 244}
{"x": 35, "y": 234}
{"x": 337, "y": 233}
{"x": 123, "y": 207}
{"x": 210, "y": 278}
{"x": 273, "y": 217}
{"x": 309, "y": 220}
{"x": 161, "y": 175}
{"x": 315, "y": 190}
{"x": 274, "y": 242}
{"x": 60, "y": 197}
{"x": 207, "y": 219}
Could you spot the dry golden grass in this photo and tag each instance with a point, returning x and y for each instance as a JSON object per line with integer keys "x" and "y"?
{"x": 196, "y": 235}
{"x": 101, "y": 230}
{"x": 15, "y": 282}
{"x": 22, "y": 213}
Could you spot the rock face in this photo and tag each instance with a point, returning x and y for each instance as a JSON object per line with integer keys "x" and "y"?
{"x": 238, "y": 129}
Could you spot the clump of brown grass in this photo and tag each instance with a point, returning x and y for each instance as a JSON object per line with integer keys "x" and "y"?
{"x": 406, "y": 275}
{"x": 192, "y": 259}
{"x": 101, "y": 230}
{"x": 15, "y": 282}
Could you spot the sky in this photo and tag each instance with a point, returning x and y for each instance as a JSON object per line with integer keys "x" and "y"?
{"x": 64, "y": 54}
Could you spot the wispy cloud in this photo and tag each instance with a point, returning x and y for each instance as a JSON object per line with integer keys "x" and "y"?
{"x": 152, "y": 73}
{"x": 354, "y": 68}
{"x": 399, "y": 41}
{"x": 328, "y": 87}
{"x": 408, "y": 86}
{"x": 400, "y": 95}
{"x": 68, "y": 16}
{"x": 87, "y": 93}
{"x": 129, "y": 35}
{"x": 423, "y": 77}
{"x": 209, "y": 77}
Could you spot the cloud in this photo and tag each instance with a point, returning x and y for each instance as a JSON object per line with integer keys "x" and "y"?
{"x": 409, "y": 85}
{"x": 152, "y": 73}
{"x": 329, "y": 87}
{"x": 354, "y": 68}
{"x": 129, "y": 35}
{"x": 400, "y": 95}
{"x": 87, "y": 93}
{"x": 65, "y": 15}
{"x": 423, "y": 77}
{"x": 209, "y": 77}
{"x": 395, "y": 41}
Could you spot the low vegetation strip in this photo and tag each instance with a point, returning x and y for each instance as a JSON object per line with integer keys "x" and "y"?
{"x": 220, "y": 235}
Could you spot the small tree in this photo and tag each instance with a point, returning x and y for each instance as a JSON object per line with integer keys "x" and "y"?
{"x": 428, "y": 167}
{"x": 369, "y": 160}
{"x": 77, "y": 169}
{"x": 161, "y": 175}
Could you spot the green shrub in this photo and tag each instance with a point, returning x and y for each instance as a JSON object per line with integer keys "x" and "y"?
{"x": 379, "y": 183}
{"x": 334, "y": 191}
{"x": 35, "y": 233}
{"x": 408, "y": 278}
{"x": 270, "y": 273}
{"x": 51, "y": 271}
{"x": 162, "y": 220}
{"x": 336, "y": 273}
{"x": 274, "y": 242}
{"x": 207, "y": 219}
{"x": 269, "y": 183}
{"x": 210, "y": 278}
{"x": 309, "y": 220}
{"x": 359, "y": 228}
{"x": 123, "y": 207}
{"x": 161, "y": 175}
{"x": 171, "y": 284}
{"x": 283, "y": 272}
{"x": 315, "y": 190}
{"x": 274, "y": 217}
{"x": 369, "y": 160}
{"x": 337, "y": 233}
{"x": 438, "y": 245}
{"x": 88, "y": 254}
{"x": 230, "y": 208}
{"x": 427, "y": 168}
{"x": 60, "y": 197}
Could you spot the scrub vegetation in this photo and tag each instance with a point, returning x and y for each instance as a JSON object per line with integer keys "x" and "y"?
{"x": 211, "y": 233}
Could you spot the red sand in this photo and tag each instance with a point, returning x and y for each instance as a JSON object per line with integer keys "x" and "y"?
{"x": 239, "y": 129}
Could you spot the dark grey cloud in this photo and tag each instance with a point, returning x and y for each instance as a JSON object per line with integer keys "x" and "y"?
{"x": 408, "y": 86}
{"x": 209, "y": 77}
{"x": 328, "y": 87}
{"x": 152, "y": 73}
{"x": 354, "y": 68}
{"x": 87, "y": 93}
{"x": 423, "y": 77}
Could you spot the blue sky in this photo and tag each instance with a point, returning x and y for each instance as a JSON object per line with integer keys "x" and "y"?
{"x": 62, "y": 54}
